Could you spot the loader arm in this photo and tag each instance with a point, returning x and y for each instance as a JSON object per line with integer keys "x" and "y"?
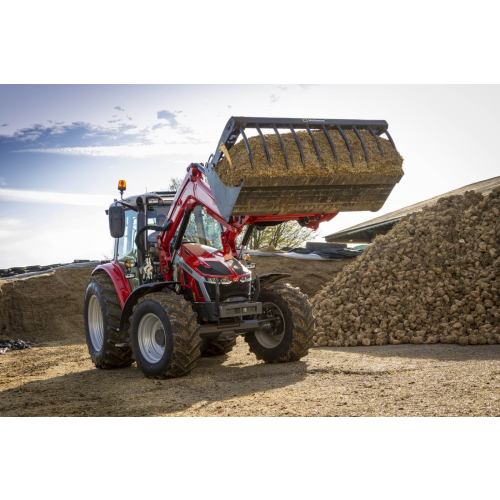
{"x": 194, "y": 191}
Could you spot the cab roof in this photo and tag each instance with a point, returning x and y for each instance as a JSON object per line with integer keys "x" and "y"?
{"x": 166, "y": 196}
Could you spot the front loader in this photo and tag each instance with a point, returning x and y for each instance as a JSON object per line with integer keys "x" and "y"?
{"x": 178, "y": 288}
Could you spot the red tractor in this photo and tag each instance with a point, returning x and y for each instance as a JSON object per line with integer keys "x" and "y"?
{"x": 178, "y": 288}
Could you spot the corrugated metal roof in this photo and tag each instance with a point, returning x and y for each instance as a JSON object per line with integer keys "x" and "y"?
{"x": 365, "y": 232}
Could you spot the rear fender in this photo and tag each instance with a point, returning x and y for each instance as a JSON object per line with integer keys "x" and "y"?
{"x": 139, "y": 292}
{"x": 117, "y": 276}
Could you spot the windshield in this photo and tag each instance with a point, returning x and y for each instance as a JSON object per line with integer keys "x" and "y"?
{"x": 203, "y": 229}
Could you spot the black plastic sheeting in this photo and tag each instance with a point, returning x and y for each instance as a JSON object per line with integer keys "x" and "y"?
{"x": 14, "y": 345}
{"x": 338, "y": 253}
{"x": 327, "y": 253}
{"x": 23, "y": 272}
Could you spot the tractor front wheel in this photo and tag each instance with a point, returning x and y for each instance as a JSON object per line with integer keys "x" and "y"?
{"x": 289, "y": 328}
{"x": 164, "y": 334}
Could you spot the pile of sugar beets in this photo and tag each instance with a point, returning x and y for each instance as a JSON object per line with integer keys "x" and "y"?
{"x": 435, "y": 277}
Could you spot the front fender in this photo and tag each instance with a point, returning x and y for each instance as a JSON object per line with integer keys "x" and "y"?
{"x": 117, "y": 276}
{"x": 139, "y": 292}
{"x": 267, "y": 279}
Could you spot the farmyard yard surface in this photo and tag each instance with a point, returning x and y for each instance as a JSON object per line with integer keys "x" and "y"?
{"x": 404, "y": 380}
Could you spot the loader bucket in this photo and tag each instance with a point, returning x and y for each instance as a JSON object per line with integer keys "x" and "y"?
{"x": 313, "y": 166}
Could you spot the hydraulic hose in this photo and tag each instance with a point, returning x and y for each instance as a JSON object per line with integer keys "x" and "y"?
{"x": 140, "y": 241}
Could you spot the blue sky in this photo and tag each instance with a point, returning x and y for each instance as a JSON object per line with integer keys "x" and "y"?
{"x": 63, "y": 148}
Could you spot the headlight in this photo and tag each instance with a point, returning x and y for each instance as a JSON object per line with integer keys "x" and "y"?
{"x": 222, "y": 281}
{"x": 246, "y": 279}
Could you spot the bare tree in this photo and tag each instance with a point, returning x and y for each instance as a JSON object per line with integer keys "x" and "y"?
{"x": 175, "y": 183}
{"x": 287, "y": 234}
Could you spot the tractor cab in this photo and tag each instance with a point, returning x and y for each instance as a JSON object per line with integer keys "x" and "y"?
{"x": 158, "y": 204}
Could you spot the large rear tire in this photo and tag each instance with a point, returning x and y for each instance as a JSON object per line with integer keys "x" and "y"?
{"x": 101, "y": 313}
{"x": 211, "y": 348}
{"x": 164, "y": 334}
{"x": 291, "y": 325}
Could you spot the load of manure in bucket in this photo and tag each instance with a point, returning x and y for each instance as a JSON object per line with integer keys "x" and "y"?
{"x": 388, "y": 164}
{"x": 435, "y": 277}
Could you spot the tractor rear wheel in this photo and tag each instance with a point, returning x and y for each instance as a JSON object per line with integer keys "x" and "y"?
{"x": 164, "y": 334}
{"x": 101, "y": 313}
{"x": 211, "y": 348}
{"x": 288, "y": 334}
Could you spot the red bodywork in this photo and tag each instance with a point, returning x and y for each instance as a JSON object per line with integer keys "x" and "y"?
{"x": 192, "y": 192}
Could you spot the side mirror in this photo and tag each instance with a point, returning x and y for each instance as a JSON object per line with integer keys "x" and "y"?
{"x": 116, "y": 221}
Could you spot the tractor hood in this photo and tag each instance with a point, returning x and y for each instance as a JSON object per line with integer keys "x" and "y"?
{"x": 210, "y": 262}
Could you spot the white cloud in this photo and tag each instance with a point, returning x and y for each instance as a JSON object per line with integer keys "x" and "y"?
{"x": 10, "y": 222}
{"x": 86, "y": 200}
{"x": 2, "y": 181}
{"x": 7, "y": 233}
{"x": 50, "y": 245}
{"x": 9, "y": 228}
{"x": 171, "y": 119}
{"x": 129, "y": 151}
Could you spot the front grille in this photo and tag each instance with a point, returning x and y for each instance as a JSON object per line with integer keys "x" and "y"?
{"x": 226, "y": 291}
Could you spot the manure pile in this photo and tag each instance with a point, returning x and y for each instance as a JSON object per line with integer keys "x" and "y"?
{"x": 308, "y": 275}
{"x": 388, "y": 165}
{"x": 45, "y": 307}
{"x": 435, "y": 277}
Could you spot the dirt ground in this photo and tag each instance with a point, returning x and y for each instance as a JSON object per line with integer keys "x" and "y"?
{"x": 405, "y": 380}
{"x": 309, "y": 275}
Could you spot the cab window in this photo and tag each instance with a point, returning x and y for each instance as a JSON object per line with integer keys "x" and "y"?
{"x": 204, "y": 229}
{"x": 126, "y": 244}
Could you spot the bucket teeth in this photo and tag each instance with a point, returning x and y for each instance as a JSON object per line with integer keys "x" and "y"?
{"x": 356, "y": 131}
{"x": 264, "y": 143}
{"x": 249, "y": 151}
{"x": 347, "y": 143}
{"x": 282, "y": 144}
{"x": 299, "y": 145}
{"x": 329, "y": 139}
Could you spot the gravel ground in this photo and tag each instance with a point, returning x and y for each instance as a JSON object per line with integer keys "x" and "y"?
{"x": 404, "y": 380}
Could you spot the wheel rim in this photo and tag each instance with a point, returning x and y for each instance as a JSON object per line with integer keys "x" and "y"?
{"x": 96, "y": 326}
{"x": 151, "y": 338}
{"x": 273, "y": 335}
